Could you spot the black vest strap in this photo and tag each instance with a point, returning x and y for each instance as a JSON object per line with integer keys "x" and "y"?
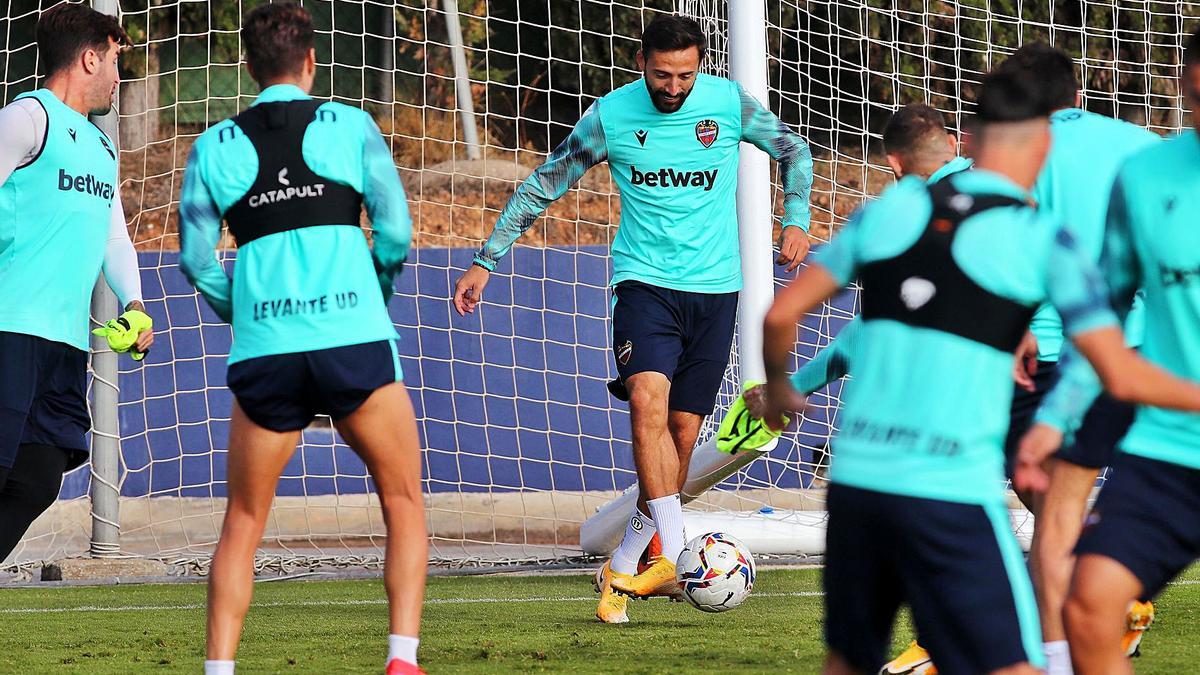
{"x": 287, "y": 194}
{"x": 925, "y": 287}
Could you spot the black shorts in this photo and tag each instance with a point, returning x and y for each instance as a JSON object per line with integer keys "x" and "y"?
{"x": 683, "y": 335}
{"x": 1147, "y": 518}
{"x": 1024, "y": 408}
{"x": 958, "y": 566}
{"x": 284, "y": 392}
{"x": 43, "y": 397}
{"x": 1094, "y": 444}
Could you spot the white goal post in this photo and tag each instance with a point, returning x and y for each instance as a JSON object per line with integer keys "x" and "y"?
{"x": 522, "y": 443}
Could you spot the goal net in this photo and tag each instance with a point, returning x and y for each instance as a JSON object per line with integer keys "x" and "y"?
{"x": 521, "y": 440}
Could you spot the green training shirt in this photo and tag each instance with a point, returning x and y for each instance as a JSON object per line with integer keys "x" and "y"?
{"x": 677, "y": 176}
{"x": 303, "y": 289}
{"x": 928, "y": 412}
{"x": 1086, "y": 152}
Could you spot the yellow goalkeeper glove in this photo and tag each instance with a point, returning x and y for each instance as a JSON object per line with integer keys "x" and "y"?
{"x": 740, "y": 430}
{"x": 122, "y": 332}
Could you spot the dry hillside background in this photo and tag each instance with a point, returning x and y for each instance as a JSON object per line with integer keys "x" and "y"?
{"x": 455, "y": 202}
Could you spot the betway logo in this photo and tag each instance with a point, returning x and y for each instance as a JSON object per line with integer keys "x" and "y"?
{"x": 88, "y": 184}
{"x": 671, "y": 178}
{"x": 286, "y": 193}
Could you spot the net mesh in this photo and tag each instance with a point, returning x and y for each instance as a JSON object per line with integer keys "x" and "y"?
{"x": 522, "y": 441}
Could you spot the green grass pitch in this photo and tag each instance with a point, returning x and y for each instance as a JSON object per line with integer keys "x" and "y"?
{"x": 472, "y": 625}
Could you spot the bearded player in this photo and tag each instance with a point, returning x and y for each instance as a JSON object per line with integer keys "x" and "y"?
{"x": 671, "y": 140}
{"x": 61, "y": 223}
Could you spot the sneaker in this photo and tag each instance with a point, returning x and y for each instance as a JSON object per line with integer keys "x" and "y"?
{"x": 612, "y": 605}
{"x": 1141, "y": 615}
{"x": 658, "y": 579}
{"x": 913, "y": 661}
{"x": 398, "y": 667}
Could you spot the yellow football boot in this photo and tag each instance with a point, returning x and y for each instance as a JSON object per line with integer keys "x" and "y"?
{"x": 1141, "y": 615}
{"x": 612, "y": 605}
{"x": 913, "y": 661}
{"x": 658, "y": 579}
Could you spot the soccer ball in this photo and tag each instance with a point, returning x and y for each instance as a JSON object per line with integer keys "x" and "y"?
{"x": 715, "y": 572}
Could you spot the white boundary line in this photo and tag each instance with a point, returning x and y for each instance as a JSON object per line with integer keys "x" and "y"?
{"x": 381, "y": 601}
{"x": 355, "y": 603}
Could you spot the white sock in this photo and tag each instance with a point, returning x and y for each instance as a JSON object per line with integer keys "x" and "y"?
{"x": 638, "y": 533}
{"x": 212, "y": 667}
{"x": 403, "y": 647}
{"x": 668, "y": 519}
{"x": 1058, "y": 657}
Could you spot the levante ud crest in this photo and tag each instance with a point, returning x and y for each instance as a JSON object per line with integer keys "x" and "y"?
{"x": 706, "y": 132}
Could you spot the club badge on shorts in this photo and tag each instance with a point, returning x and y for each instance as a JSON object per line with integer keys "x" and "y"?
{"x": 624, "y": 352}
{"x": 706, "y": 132}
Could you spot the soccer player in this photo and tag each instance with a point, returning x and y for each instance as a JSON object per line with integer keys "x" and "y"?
{"x": 1145, "y": 527}
{"x": 671, "y": 141}
{"x": 61, "y": 222}
{"x": 917, "y": 144}
{"x": 308, "y": 304}
{"x": 951, "y": 274}
{"x": 1073, "y": 187}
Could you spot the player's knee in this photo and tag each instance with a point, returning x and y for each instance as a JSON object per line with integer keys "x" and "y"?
{"x": 647, "y": 399}
{"x": 1083, "y": 615}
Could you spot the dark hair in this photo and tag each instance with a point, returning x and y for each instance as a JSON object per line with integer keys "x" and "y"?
{"x": 910, "y": 126}
{"x": 1007, "y": 96}
{"x": 1054, "y": 70}
{"x": 275, "y": 39}
{"x": 672, "y": 33}
{"x": 1191, "y": 50}
{"x": 67, "y": 30}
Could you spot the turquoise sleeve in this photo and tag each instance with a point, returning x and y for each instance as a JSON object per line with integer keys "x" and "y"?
{"x": 384, "y": 199}
{"x": 832, "y": 362}
{"x": 584, "y": 148}
{"x": 839, "y": 257}
{"x": 768, "y": 133}
{"x": 1078, "y": 387}
{"x": 199, "y": 235}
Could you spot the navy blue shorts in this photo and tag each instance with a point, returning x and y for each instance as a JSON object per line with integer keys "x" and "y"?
{"x": 43, "y": 397}
{"x": 957, "y": 566}
{"x": 1095, "y": 442}
{"x": 284, "y": 392}
{"x": 1147, "y": 518}
{"x": 1024, "y": 408}
{"x": 683, "y": 335}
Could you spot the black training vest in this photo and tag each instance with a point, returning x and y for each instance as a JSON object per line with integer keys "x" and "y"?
{"x": 287, "y": 194}
{"x": 924, "y": 287}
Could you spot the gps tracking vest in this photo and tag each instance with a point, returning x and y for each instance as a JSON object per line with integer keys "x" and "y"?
{"x": 55, "y": 214}
{"x": 924, "y": 287}
{"x": 287, "y": 194}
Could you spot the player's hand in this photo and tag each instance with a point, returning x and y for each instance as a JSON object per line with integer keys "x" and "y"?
{"x": 1036, "y": 447}
{"x": 781, "y": 398}
{"x": 1025, "y": 362}
{"x": 469, "y": 289}
{"x": 756, "y": 400}
{"x": 793, "y": 247}
{"x": 131, "y": 332}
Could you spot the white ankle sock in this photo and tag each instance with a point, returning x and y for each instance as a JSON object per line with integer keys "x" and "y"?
{"x": 638, "y": 533}
{"x": 213, "y": 667}
{"x": 668, "y": 520}
{"x": 403, "y": 647}
{"x": 1058, "y": 657}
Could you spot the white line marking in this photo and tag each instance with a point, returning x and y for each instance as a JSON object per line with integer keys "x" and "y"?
{"x": 381, "y": 601}
{"x": 353, "y": 603}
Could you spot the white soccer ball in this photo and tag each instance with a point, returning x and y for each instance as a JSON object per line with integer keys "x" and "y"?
{"x": 715, "y": 572}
